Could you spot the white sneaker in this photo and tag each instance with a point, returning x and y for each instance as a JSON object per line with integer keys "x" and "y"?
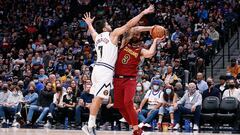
{"x": 89, "y": 131}
{"x": 18, "y": 114}
{"x": 49, "y": 115}
{"x": 141, "y": 125}
{"x": 48, "y": 124}
{"x": 147, "y": 125}
{"x": 195, "y": 127}
{"x": 176, "y": 126}
{"x": 15, "y": 124}
{"x": 122, "y": 120}
{"x": 3, "y": 121}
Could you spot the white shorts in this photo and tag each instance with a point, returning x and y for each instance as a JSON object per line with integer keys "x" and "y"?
{"x": 102, "y": 78}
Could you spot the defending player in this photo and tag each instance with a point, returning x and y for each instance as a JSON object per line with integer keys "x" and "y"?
{"x": 106, "y": 42}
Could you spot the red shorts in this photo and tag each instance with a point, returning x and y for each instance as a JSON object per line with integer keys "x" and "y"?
{"x": 124, "y": 91}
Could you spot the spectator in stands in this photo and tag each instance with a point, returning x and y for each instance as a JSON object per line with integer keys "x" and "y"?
{"x": 83, "y": 104}
{"x": 238, "y": 80}
{"x": 222, "y": 86}
{"x": 176, "y": 35}
{"x": 44, "y": 100}
{"x": 139, "y": 95}
{"x": 190, "y": 103}
{"x": 234, "y": 69}
{"x": 11, "y": 105}
{"x": 110, "y": 114}
{"x": 201, "y": 84}
{"x": 167, "y": 99}
{"x": 42, "y": 77}
{"x": 30, "y": 99}
{"x": 69, "y": 103}
{"x": 146, "y": 84}
{"x": 232, "y": 91}
{"x": 178, "y": 89}
{"x": 152, "y": 98}
{"x": 4, "y": 94}
{"x": 212, "y": 91}
{"x": 162, "y": 69}
{"x": 57, "y": 104}
{"x": 178, "y": 70}
{"x": 214, "y": 35}
{"x": 170, "y": 78}
{"x": 39, "y": 85}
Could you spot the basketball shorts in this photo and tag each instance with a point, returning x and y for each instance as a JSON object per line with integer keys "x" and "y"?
{"x": 102, "y": 78}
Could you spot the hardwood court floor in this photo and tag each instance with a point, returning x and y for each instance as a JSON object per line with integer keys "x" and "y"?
{"x": 16, "y": 131}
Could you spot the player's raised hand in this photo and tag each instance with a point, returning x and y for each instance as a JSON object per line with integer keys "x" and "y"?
{"x": 149, "y": 10}
{"x": 158, "y": 40}
{"x": 87, "y": 18}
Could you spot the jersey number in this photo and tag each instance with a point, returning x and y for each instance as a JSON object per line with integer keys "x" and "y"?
{"x": 100, "y": 48}
{"x": 125, "y": 59}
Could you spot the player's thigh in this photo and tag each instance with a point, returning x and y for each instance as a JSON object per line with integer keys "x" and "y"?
{"x": 129, "y": 90}
{"x": 118, "y": 92}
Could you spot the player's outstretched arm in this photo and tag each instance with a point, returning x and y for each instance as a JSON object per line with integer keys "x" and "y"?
{"x": 127, "y": 36}
{"x": 87, "y": 18}
{"x": 142, "y": 28}
{"x": 152, "y": 50}
{"x": 121, "y": 30}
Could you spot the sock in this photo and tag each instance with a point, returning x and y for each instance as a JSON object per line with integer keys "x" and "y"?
{"x": 160, "y": 119}
{"x": 91, "y": 121}
{"x": 172, "y": 121}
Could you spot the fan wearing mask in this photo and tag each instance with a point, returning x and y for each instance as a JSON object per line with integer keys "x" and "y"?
{"x": 152, "y": 98}
{"x": 10, "y": 106}
{"x": 139, "y": 93}
{"x": 4, "y": 94}
{"x": 168, "y": 99}
{"x": 56, "y": 105}
{"x": 190, "y": 103}
{"x": 211, "y": 91}
{"x": 232, "y": 91}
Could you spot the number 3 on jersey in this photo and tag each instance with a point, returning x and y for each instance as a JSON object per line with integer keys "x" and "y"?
{"x": 100, "y": 48}
{"x": 125, "y": 59}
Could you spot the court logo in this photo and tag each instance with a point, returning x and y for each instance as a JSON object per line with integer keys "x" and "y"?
{"x": 105, "y": 92}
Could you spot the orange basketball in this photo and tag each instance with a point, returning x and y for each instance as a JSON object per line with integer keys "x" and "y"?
{"x": 158, "y": 32}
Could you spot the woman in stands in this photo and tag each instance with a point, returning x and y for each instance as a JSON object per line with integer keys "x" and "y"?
{"x": 167, "y": 99}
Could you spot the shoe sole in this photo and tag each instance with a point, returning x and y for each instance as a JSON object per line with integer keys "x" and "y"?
{"x": 85, "y": 130}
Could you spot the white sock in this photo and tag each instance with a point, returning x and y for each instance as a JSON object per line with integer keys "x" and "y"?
{"x": 91, "y": 121}
{"x": 160, "y": 119}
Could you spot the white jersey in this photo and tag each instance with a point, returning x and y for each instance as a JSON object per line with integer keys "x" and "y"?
{"x": 106, "y": 51}
{"x": 103, "y": 70}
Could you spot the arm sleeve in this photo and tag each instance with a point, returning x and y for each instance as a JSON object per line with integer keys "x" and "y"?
{"x": 183, "y": 99}
{"x": 199, "y": 100}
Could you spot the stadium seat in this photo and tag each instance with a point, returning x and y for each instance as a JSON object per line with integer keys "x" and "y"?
{"x": 228, "y": 111}
{"x": 210, "y": 108}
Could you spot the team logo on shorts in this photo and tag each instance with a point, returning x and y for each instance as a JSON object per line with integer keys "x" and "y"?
{"x": 105, "y": 92}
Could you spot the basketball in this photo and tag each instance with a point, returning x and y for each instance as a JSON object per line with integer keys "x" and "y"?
{"x": 158, "y": 32}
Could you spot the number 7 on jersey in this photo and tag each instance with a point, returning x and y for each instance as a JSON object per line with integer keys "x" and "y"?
{"x": 100, "y": 48}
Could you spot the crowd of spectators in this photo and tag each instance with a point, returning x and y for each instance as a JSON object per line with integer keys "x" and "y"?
{"x": 47, "y": 55}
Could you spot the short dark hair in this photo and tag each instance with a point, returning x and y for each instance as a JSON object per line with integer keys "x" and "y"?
{"x": 223, "y": 77}
{"x": 99, "y": 25}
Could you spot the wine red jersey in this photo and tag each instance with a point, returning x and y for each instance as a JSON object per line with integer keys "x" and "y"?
{"x": 127, "y": 61}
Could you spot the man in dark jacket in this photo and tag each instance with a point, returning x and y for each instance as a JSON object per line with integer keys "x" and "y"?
{"x": 212, "y": 91}
{"x": 44, "y": 100}
{"x": 222, "y": 86}
{"x": 83, "y": 103}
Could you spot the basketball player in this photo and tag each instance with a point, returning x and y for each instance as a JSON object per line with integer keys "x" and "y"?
{"x": 106, "y": 42}
{"x": 126, "y": 73}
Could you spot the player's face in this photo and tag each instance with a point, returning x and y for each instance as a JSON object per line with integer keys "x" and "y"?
{"x": 108, "y": 27}
{"x": 136, "y": 37}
